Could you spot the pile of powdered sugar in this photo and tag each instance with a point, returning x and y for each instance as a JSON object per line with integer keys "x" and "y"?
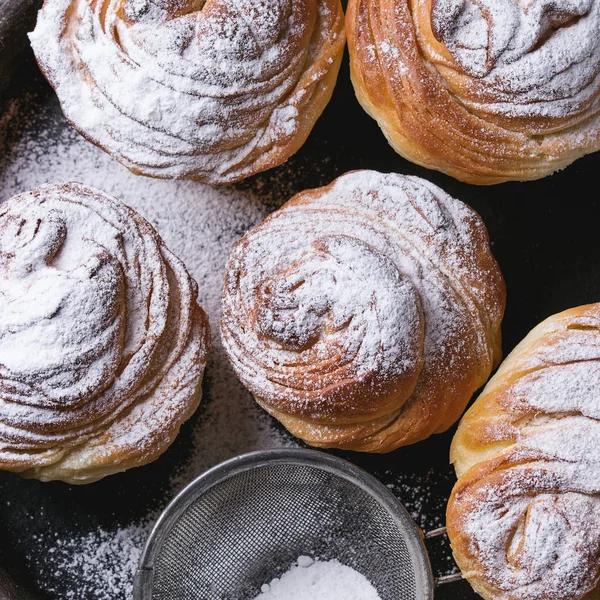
{"x": 319, "y": 580}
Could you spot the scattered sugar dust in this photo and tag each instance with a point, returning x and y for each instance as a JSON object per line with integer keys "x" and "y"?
{"x": 104, "y": 560}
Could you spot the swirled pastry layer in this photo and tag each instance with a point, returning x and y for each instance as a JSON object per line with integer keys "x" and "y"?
{"x": 212, "y": 90}
{"x": 364, "y": 314}
{"x": 484, "y": 90}
{"x": 102, "y": 343}
{"x": 524, "y": 516}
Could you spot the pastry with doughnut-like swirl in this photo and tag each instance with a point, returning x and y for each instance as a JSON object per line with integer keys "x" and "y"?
{"x": 363, "y": 315}
{"x": 102, "y": 342}
{"x": 484, "y": 90}
{"x": 524, "y": 516}
{"x": 209, "y": 90}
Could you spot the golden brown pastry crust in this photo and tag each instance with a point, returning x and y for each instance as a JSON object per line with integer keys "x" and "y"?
{"x": 212, "y": 91}
{"x": 524, "y": 516}
{"x": 363, "y": 315}
{"x": 522, "y": 105}
{"x": 102, "y": 343}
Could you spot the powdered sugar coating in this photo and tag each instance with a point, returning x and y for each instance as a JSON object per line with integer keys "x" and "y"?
{"x": 211, "y": 91}
{"x": 528, "y": 59}
{"x": 486, "y": 91}
{"x": 102, "y": 361}
{"x": 347, "y": 311}
{"x": 524, "y": 517}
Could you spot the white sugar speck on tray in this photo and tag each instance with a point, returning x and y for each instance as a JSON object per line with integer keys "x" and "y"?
{"x": 308, "y": 579}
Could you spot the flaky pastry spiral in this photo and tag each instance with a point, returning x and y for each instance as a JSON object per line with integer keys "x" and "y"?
{"x": 102, "y": 343}
{"x": 210, "y": 90}
{"x": 364, "y": 314}
{"x": 524, "y": 516}
{"x": 483, "y": 90}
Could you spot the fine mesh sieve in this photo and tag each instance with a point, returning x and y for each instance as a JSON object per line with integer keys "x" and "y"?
{"x": 247, "y": 520}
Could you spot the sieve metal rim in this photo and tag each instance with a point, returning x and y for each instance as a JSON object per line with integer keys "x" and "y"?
{"x": 143, "y": 582}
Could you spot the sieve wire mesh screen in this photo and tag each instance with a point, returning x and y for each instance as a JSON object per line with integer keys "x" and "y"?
{"x": 250, "y": 527}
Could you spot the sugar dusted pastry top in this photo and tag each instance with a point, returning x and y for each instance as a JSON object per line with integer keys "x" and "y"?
{"x": 534, "y": 60}
{"x": 483, "y": 90}
{"x": 102, "y": 343}
{"x": 213, "y": 91}
{"x": 364, "y": 314}
{"x": 524, "y": 516}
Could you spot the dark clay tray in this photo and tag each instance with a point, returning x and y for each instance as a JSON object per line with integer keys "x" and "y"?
{"x": 545, "y": 237}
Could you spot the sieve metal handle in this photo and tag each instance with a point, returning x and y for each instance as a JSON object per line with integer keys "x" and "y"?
{"x": 443, "y": 579}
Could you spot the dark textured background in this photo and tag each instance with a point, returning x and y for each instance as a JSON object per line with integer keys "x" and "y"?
{"x": 544, "y": 235}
